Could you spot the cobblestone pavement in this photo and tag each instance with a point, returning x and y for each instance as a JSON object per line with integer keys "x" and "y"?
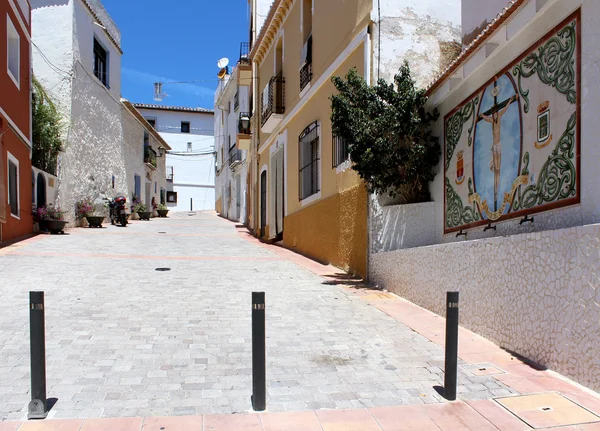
{"x": 126, "y": 340}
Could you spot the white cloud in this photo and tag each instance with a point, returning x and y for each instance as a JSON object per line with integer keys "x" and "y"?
{"x": 150, "y": 78}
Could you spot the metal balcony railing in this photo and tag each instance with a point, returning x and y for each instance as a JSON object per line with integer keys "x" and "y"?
{"x": 306, "y": 70}
{"x": 273, "y": 98}
{"x": 150, "y": 156}
{"x": 242, "y": 127}
{"x": 235, "y": 156}
{"x": 244, "y": 53}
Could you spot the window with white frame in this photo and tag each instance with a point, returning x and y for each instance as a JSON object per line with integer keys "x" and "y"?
{"x": 13, "y": 57}
{"x": 13, "y": 185}
{"x": 310, "y": 161}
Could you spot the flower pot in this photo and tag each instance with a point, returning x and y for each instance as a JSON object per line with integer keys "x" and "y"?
{"x": 95, "y": 221}
{"x": 55, "y": 226}
{"x": 162, "y": 213}
{"x": 144, "y": 215}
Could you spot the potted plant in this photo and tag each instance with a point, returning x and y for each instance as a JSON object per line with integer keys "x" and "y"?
{"x": 142, "y": 211}
{"x": 85, "y": 209}
{"x": 38, "y": 217}
{"x": 54, "y": 219}
{"x": 162, "y": 210}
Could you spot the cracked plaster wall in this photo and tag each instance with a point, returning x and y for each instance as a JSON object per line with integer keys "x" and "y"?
{"x": 536, "y": 294}
{"x": 420, "y": 33}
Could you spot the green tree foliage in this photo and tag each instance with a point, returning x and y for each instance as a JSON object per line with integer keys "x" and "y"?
{"x": 47, "y": 130}
{"x": 387, "y": 132}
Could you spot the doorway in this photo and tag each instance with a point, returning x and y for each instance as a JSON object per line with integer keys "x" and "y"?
{"x": 263, "y": 202}
{"x": 277, "y": 173}
{"x": 41, "y": 190}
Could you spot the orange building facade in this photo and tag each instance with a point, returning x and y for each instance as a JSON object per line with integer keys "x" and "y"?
{"x": 15, "y": 120}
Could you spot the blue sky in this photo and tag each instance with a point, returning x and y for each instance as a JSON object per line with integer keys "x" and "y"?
{"x": 177, "y": 40}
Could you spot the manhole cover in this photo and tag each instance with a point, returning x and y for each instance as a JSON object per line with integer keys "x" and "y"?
{"x": 483, "y": 369}
{"x": 547, "y": 410}
{"x": 163, "y": 269}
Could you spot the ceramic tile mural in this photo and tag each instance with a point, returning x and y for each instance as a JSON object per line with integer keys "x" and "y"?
{"x": 512, "y": 148}
{"x": 537, "y": 294}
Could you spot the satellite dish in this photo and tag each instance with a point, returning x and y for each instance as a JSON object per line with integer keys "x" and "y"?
{"x": 222, "y": 63}
{"x": 222, "y": 73}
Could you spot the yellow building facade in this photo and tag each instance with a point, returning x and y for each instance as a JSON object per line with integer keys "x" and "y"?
{"x": 306, "y": 194}
{"x": 302, "y": 189}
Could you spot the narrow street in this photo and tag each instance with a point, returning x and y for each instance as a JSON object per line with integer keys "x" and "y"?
{"x": 127, "y": 340}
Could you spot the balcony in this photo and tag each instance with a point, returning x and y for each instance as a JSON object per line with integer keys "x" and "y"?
{"x": 244, "y": 67}
{"x": 170, "y": 173}
{"x": 272, "y": 104}
{"x": 244, "y": 53}
{"x": 244, "y": 131}
{"x": 306, "y": 69}
{"x": 235, "y": 157}
{"x": 150, "y": 157}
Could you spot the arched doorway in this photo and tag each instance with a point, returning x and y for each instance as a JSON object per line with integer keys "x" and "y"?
{"x": 41, "y": 190}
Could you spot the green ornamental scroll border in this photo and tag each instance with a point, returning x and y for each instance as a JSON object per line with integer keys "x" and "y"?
{"x": 454, "y": 127}
{"x": 557, "y": 179}
{"x": 456, "y": 213}
{"x": 554, "y": 64}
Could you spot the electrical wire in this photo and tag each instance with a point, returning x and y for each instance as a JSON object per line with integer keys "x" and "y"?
{"x": 52, "y": 66}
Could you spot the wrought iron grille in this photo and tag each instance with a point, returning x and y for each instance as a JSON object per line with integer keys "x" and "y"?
{"x": 273, "y": 101}
{"x": 244, "y": 53}
{"x": 306, "y": 71}
{"x": 308, "y": 147}
{"x": 340, "y": 151}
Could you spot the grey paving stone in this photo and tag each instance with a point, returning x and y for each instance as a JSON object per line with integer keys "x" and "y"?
{"x": 126, "y": 340}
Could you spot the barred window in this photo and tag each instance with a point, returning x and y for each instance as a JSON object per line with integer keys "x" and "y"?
{"x": 308, "y": 146}
{"x": 340, "y": 151}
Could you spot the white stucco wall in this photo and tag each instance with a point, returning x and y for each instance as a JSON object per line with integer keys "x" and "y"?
{"x": 418, "y": 32}
{"x": 232, "y": 183}
{"x": 133, "y": 147}
{"x": 194, "y": 175}
{"x": 55, "y": 77}
{"x": 477, "y": 14}
{"x": 51, "y": 186}
{"x": 84, "y": 32}
{"x": 93, "y": 150}
{"x": 394, "y": 227}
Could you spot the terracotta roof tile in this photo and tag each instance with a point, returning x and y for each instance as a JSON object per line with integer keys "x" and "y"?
{"x": 172, "y": 108}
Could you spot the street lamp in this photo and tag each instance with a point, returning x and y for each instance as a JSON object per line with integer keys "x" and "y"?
{"x": 161, "y": 151}
{"x": 245, "y": 122}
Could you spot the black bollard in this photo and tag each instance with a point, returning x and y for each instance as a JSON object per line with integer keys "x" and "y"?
{"x": 191, "y": 205}
{"x": 38, "y": 407}
{"x": 450, "y": 368}
{"x": 259, "y": 367}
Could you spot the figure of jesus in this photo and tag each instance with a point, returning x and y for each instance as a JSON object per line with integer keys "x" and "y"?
{"x": 495, "y": 119}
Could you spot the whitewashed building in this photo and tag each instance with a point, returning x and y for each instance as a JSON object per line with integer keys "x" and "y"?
{"x": 232, "y": 139}
{"x": 191, "y": 162}
{"x": 77, "y": 58}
